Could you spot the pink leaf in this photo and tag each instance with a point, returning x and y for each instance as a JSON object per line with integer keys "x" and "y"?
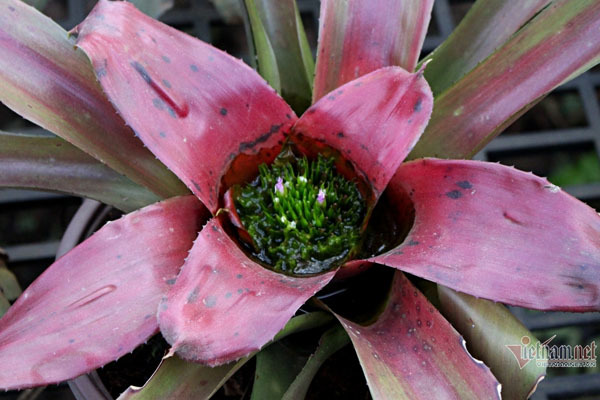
{"x": 494, "y": 232}
{"x": 224, "y": 305}
{"x": 99, "y": 301}
{"x": 360, "y": 36}
{"x": 49, "y": 82}
{"x": 194, "y": 106}
{"x": 412, "y": 352}
{"x": 374, "y": 121}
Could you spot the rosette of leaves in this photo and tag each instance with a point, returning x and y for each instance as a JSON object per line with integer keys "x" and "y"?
{"x": 149, "y": 113}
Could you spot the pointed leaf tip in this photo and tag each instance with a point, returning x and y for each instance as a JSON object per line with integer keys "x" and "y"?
{"x": 224, "y": 305}
{"x": 488, "y": 328}
{"x": 538, "y": 248}
{"x": 374, "y": 135}
{"x": 49, "y": 82}
{"x": 194, "y": 106}
{"x": 486, "y": 27}
{"x": 349, "y": 47}
{"x": 412, "y": 352}
{"x": 552, "y": 48}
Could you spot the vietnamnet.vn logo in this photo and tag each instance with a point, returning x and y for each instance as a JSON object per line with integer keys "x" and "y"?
{"x": 546, "y": 355}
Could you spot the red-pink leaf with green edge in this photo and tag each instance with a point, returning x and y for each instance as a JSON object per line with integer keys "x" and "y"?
{"x": 360, "y": 36}
{"x": 194, "y": 106}
{"x": 486, "y": 27}
{"x": 557, "y": 45}
{"x": 224, "y": 305}
{"x": 46, "y": 80}
{"x": 374, "y": 121}
{"x": 412, "y": 352}
{"x": 99, "y": 301}
{"x": 489, "y": 328}
{"x": 498, "y": 233}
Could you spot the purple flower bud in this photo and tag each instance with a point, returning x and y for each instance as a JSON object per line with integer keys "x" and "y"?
{"x": 321, "y": 196}
{"x": 279, "y": 185}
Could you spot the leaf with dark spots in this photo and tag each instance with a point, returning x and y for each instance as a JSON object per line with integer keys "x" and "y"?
{"x": 391, "y": 92}
{"x": 100, "y": 72}
{"x": 418, "y": 105}
{"x": 223, "y": 111}
{"x": 544, "y": 233}
{"x": 108, "y": 310}
{"x": 193, "y": 296}
{"x": 210, "y": 301}
{"x": 142, "y": 71}
{"x": 166, "y": 59}
{"x": 511, "y": 218}
{"x": 244, "y": 146}
{"x": 454, "y": 194}
{"x": 199, "y": 90}
{"x": 204, "y": 331}
{"x": 158, "y": 103}
{"x": 47, "y": 81}
{"x": 412, "y": 354}
{"x": 464, "y": 185}
{"x": 412, "y": 243}
{"x": 197, "y": 186}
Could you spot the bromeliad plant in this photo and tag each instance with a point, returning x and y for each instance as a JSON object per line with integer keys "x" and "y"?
{"x": 280, "y": 205}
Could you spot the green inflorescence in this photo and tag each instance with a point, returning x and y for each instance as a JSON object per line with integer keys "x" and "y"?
{"x": 303, "y": 217}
